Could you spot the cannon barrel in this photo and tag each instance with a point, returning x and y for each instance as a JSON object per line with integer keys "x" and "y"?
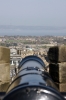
{"x": 32, "y": 82}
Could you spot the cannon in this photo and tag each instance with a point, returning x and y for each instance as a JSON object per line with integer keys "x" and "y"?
{"x": 32, "y": 82}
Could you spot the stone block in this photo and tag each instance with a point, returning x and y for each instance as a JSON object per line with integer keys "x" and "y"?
{"x": 4, "y": 72}
{"x": 57, "y": 54}
{"x": 61, "y": 87}
{"x": 4, "y": 86}
{"x": 4, "y": 55}
{"x": 58, "y": 71}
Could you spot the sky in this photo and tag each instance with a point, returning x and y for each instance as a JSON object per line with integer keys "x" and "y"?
{"x": 34, "y": 13}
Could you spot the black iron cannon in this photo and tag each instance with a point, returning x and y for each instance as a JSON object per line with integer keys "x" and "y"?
{"x": 32, "y": 82}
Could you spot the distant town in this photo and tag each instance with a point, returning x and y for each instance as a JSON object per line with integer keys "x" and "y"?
{"x": 35, "y": 42}
{"x": 21, "y": 46}
{"x": 31, "y": 44}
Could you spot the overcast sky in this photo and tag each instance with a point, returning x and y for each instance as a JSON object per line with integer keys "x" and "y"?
{"x": 33, "y": 12}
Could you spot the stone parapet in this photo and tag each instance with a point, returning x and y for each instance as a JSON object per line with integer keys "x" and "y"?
{"x": 4, "y": 68}
{"x": 57, "y": 66}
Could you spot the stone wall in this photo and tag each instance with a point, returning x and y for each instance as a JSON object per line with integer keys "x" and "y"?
{"x": 57, "y": 66}
{"x": 4, "y": 68}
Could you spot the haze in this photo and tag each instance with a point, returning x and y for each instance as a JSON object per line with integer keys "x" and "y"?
{"x": 43, "y": 13}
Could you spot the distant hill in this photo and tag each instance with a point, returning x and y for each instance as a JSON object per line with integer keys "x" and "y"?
{"x": 32, "y": 30}
{"x": 31, "y": 27}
